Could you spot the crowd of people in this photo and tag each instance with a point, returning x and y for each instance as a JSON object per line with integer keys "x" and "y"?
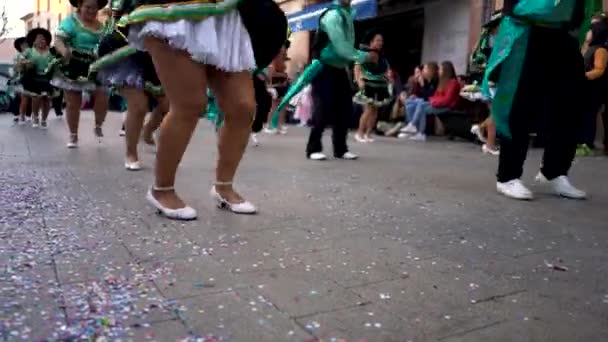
{"x": 168, "y": 58}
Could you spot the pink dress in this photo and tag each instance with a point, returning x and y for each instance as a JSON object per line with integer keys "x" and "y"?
{"x": 304, "y": 105}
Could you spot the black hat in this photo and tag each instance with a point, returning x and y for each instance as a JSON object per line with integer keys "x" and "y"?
{"x": 18, "y": 42}
{"x": 369, "y": 35}
{"x": 31, "y": 36}
{"x": 100, "y": 3}
{"x": 495, "y": 19}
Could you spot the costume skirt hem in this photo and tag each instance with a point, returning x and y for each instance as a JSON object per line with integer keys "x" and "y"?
{"x": 73, "y": 85}
{"x": 378, "y": 101}
{"x": 219, "y": 40}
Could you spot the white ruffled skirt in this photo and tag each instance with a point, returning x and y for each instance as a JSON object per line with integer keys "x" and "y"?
{"x": 220, "y": 40}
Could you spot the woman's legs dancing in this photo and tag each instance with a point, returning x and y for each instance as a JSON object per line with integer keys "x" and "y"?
{"x": 155, "y": 120}
{"x": 73, "y": 104}
{"x": 181, "y": 77}
{"x": 100, "y": 108}
{"x": 136, "y": 112}
{"x": 236, "y": 99}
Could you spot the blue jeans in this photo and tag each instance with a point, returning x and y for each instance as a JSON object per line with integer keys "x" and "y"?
{"x": 417, "y": 110}
{"x": 413, "y": 110}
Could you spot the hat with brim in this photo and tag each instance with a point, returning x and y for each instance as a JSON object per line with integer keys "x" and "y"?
{"x": 31, "y": 36}
{"x": 18, "y": 42}
{"x": 495, "y": 19}
{"x": 100, "y": 3}
{"x": 369, "y": 36}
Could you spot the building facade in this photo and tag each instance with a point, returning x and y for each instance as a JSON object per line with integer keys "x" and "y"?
{"x": 415, "y": 30}
{"x": 47, "y": 14}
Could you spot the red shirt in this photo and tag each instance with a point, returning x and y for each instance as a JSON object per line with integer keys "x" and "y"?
{"x": 448, "y": 97}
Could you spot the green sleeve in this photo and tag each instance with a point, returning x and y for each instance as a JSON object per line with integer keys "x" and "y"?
{"x": 332, "y": 24}
{"x": 66, "y": 29}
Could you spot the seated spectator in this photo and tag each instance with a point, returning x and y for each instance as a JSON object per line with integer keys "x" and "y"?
{"x": 421, "y": 89}
{"x": 444, "y": 100}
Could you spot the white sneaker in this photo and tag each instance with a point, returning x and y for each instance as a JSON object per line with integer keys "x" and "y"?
{"x": 368, "y": 139}
{"x": 487, "y": 150}
{"x": 349, "y": 156}
{"x": 561, "y": 186}
{"x": 122, "y": 133}
{"x": 514, "y": 189}
{"x": 409, "y": 129}
{"x": 254, "y": 140}
{"x": 418, "y": 137}
{"x": 283, "y": 130}
{"x": 270, "y": 130}
{"x": 360, "y": 139}
{"x": 244, "y": 207}
{"x": 476, "y": 130}
{"x": 34, "y": 124}
{"x": 184, "y": 214}
{"x": 317, "y": 156}
{"x": 404, "y": 135}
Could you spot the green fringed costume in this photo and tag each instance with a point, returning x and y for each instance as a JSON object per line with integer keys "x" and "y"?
{"x": 539, "y": 75}
{"x": 510, "y": 50}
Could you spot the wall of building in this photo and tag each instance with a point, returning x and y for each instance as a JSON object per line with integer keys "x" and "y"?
{"x": 446, "y": 32}
{"x": 48, "y": 14}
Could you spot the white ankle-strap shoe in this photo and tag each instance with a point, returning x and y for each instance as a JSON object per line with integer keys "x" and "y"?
{"x": 183, "y": 214}
{"x": 132, "y": 166}
{"x": 244, "y": 207}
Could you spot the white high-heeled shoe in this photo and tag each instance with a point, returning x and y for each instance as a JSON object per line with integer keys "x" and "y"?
{"x": 132, "y": 166}
{"x": 73, "y": 142}
{"x": 183, "y": 214}
{"x": 244, "y": 207}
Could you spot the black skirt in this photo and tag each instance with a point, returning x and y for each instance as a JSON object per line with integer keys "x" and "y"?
{"x": 37, "y": 86}
{"x": 375, "y": 94}
{"x": 78, "y": 66}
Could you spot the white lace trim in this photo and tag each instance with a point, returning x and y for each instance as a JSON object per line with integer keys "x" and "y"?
{"x": 221, "y": 40}
{"x": 70, "y": 85}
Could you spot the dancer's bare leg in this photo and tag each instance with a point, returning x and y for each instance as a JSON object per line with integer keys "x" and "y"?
{"x": 185, "y": 84}
{"x": 100, "y": 106}
{"x": 371, "y": 121}
{"x": 73, "y": 101}
{"x": 363, "y": 121}
{"x": 36, "y": 105}
{"x": 137, "y": 107}
{"x": 23, "y": 107}
{"x": 490, "y": 133}
{"x": 45, "y": 108}
{"x": 236, "y": 99}
{"x": 156, "y": 118}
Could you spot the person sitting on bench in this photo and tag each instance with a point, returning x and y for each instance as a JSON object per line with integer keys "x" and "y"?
{"x": 444, "y": 100}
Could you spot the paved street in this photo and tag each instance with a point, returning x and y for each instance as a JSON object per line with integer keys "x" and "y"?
{"x": 411, "y": 243}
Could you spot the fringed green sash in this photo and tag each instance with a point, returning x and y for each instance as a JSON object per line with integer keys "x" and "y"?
{"x": 510, "y": 48}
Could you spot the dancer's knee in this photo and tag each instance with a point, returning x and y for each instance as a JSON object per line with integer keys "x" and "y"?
{"x": 189, "y": 109}
{"x": 243, "y": 110}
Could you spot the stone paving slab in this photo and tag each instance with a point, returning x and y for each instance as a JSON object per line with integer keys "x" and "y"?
{"x": 410, "y": 243}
